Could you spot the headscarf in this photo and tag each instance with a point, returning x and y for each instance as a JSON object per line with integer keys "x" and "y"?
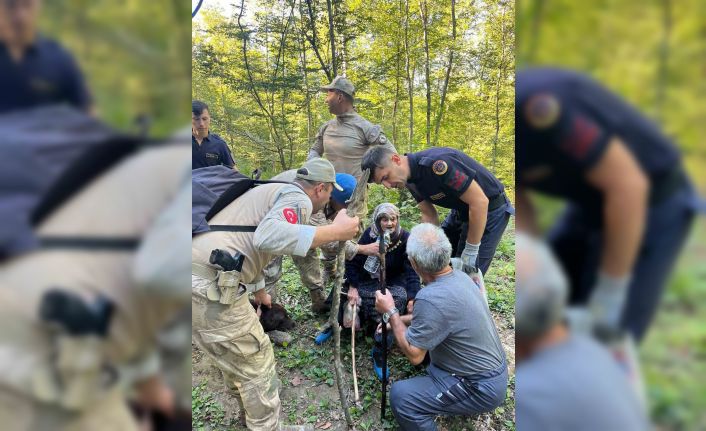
{"x": 389, "y": 210}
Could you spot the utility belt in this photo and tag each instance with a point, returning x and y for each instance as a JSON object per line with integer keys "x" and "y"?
{"x": 497, "y": 201}
{"x": 226, "y": 287}
{"x": 667, "y": 184}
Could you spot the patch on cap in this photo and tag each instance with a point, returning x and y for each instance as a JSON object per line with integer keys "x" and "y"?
{"x": 290, "y": 215}
{"x": 542, "y": 110}
{"x": 439, "y": 167}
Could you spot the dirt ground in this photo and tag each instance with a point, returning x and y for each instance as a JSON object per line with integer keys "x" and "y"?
{"x": 309, "y": 394}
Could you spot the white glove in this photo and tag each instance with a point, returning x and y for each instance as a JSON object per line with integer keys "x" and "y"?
{"x": 470, "y": 254}
{"x": 608, "y": 300}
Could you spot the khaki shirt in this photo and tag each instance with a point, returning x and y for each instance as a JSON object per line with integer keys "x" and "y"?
{"x": 281, "y": 213}
{"x": 319, "y": 219}
{"x": 345, "y": 139}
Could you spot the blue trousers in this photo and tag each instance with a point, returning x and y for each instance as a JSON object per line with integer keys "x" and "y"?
{"x": 456, "y": 230}
{"x": 417, "y": 401}
{"x": 577, "y": 238}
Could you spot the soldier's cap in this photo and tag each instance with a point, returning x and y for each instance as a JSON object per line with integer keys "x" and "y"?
{"x": 342, "y": 84}
{"x": 318, "y": 169}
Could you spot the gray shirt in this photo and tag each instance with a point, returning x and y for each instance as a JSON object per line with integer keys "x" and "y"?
{"x": 451, "y": 321}
{"x": 576, "y": 385}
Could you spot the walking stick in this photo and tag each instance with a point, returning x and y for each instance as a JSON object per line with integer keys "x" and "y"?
{"x": 382, "y": 251}
{"x": 355, "y": 374}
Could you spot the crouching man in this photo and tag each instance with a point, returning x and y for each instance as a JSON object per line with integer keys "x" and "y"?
{"x": 225, "y": 325}
{"x": 468, "y": 373}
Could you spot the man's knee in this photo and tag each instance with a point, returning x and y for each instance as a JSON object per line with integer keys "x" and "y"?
{"x": 398, "y": 395}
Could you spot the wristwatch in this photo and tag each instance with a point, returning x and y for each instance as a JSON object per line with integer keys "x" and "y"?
{"x": 386, "y": 316}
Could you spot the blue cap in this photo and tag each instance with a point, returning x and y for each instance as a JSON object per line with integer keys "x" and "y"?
{"x": 347, "y": 183}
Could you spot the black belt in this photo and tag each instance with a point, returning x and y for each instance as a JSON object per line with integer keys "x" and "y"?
{"x": 667, "y": 184}
{"x": 497, "y": 201}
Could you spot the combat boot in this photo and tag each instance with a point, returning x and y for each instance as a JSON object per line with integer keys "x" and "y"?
{"x": 318, "y": 301}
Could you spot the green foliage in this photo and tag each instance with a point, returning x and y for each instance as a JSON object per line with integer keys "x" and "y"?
{"x": 207, "y": 412}
{"x": 134, "y": 54}
{"x": 285, "y": 73}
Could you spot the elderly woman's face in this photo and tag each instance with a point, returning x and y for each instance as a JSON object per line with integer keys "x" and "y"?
{"x": 388, "y": 223}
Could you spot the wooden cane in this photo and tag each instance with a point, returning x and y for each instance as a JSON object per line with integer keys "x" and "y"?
{"x": 355, "y": 374}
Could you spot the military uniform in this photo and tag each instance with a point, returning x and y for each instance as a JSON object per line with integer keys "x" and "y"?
{"x": 212, "y": 151}
{"x": 231, "y": 335}
{"x": 309, "y": 266}
{"x": 564, "y": 123}
{"x": 440, "y": 176}
{"x": 54, "y": 380}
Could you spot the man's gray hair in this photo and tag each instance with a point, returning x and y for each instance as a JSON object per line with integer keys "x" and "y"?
{"x": 429, "y": 247}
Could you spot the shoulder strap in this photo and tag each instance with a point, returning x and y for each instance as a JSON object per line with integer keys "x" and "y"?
{"x": 90, "y": 243}
{"x": 230, "y": 228}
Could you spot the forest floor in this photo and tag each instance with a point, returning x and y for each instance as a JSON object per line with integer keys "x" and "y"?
{"x": 308, "y": 391}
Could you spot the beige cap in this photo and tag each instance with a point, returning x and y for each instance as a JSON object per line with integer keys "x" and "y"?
{"x": 318, "y": 169}
{"x": 342, "y": 84}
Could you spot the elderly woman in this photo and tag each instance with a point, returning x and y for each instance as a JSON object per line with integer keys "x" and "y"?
{"x": 362, "y": 273}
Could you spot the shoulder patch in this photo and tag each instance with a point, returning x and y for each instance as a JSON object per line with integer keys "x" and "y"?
{"x": 542, "y": 110}
{"x": 439, "y": 167}
{"x": 290, "y": 215}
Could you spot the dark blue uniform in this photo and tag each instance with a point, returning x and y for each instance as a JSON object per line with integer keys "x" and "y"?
{"x": 212, "y": 151}
{"x": 441, "y": 176}
{"x": 564, "y": 122}
{"x": 47, "y": 74}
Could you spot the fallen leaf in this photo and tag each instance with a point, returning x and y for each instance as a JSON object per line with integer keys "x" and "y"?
{"x": 296, "y": 381}
{"x": 324, "y": 426}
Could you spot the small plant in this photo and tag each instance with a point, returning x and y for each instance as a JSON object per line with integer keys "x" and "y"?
{"x": 205, "y": 410}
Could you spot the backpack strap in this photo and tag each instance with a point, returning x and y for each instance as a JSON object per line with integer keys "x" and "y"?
{"x": 230, "y": 228}
{"x": 89, "y": 243}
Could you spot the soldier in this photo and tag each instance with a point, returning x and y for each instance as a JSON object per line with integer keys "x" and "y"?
{"x": 630, "y": 201}
{"x": 343, "y": 141}
{"x": 225, "y": 325}
{"x": 451, "y": 179}
{"x": 308, "y": 266}
{"x": 208, "y": 149}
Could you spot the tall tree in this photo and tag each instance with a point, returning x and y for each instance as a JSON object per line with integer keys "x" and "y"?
{"x": 449, "y": 66}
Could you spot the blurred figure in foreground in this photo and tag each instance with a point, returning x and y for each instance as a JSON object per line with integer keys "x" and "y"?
{"x": 99, "y": 279}
{"x": 630, "y": 202}
{"x": 35, "y": 70}
{"x": 564, "y": 380}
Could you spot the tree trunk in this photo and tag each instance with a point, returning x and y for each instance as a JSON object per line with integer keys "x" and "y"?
{"x": 312, "y": 41}
{"x": 410, "y": 81}
{"x": 332, "y": 38}
{"x": 448, "y": 73}
{"x": 498, "y": 85}
{"x": 397, "y": 96}
{"x": 427, "y": 67}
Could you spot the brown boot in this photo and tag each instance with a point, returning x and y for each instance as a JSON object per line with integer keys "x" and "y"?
{"x": 318, "y": 301}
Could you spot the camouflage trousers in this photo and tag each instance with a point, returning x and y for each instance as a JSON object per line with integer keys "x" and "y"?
{"x": 233, "y": 338}
{"x": 110, "y": 413}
